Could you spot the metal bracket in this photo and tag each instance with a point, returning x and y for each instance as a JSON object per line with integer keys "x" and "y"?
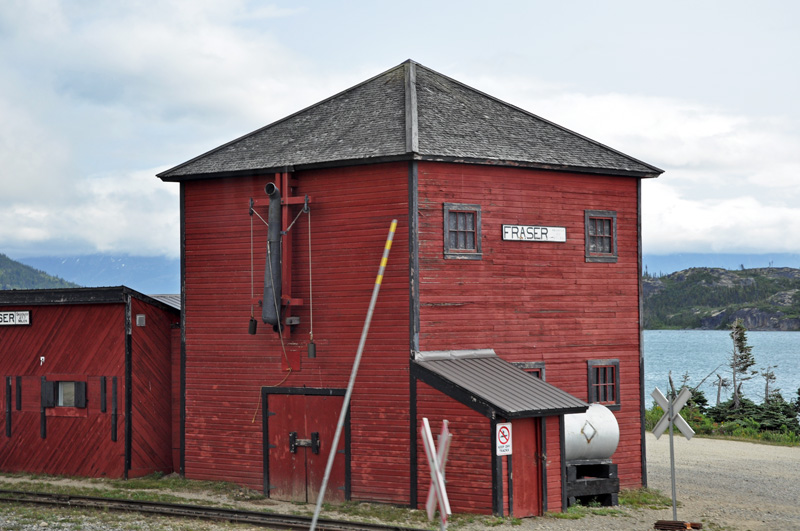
{"x": 312, "y": 443}
{"x": 315, "y": 442}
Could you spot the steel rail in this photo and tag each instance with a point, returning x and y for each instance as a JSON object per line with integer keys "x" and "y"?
{"x": 272, "y": 520}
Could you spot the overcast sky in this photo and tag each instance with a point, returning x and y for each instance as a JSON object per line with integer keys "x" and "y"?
{"x": 97, "y": 97}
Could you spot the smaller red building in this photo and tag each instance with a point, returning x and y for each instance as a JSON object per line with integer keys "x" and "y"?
{"x": 87, "y": 381}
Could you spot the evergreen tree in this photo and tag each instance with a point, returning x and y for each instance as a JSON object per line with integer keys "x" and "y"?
{"x": 741, "y": 360}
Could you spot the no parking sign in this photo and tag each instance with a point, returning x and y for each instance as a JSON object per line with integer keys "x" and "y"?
{"x": 503, "y": 438}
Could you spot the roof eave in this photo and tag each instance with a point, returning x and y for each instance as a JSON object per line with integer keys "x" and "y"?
{"x": 67, "y": 296}
{"x": 412, "y": 156}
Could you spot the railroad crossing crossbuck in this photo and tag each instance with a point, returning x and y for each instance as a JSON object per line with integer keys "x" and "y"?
{"x": 677, "y": 420}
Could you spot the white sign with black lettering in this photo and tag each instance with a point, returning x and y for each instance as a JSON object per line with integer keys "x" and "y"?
{"x": 15, "y": 318}
{"x": 534, "y": 233}
{"x": 503, "y": 437}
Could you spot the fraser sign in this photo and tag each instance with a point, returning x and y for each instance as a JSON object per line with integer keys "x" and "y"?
{"x": 15, "y": 318}
{"x": 534, "y": 233}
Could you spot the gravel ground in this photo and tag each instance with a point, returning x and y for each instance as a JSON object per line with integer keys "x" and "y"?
{"x": 725, "y": 485}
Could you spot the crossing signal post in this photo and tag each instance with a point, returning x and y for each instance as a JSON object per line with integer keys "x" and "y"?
{"x": 670, "y": 419}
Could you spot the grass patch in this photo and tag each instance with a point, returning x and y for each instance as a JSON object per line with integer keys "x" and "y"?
{"x": 377, "y": 512}
{"x": 153, "y": 488}
{"x": 578, "y": 511}
{"x": 644, "y": 498}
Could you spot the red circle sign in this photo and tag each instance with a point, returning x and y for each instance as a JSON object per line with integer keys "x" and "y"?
{"x": 503, "y": 435}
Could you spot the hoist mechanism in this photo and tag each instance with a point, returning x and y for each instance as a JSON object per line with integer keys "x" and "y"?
{"x": 271, "y": 303}
{"x": 277, "y": 302}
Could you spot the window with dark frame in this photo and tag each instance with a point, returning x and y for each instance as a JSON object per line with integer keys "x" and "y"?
{"x": 604, "y": 383}
{"x": 462, "y": 231}
{"x": 536, "y": 368}
{"x": 601, "y": 235}
{"x": 64, "y": 394}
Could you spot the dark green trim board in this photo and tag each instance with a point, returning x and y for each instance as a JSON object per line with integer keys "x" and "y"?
{"x": 563, "y": 449}
{"x": 497, "y": 471}
{"x": 642, "y": 394}
{"x": 413, "y": 317}
{"x": 8, "y": 406}
{"x": 413, "y": 255}
{"x": 128, "y": 383}
{"x": 412, "y": 414}
{"x": 182, "y": 464}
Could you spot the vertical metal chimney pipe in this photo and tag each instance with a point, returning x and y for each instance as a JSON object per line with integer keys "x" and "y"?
{"x": 271, "y": 305}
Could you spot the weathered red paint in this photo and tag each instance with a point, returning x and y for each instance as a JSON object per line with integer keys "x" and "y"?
{"x": 86, "y": 343}
{"x": 529, "y": 301}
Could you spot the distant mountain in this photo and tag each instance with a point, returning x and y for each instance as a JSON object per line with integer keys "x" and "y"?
{"x": 146, "y": 274}
{"x": 15, "y": 275}
{"x": 658, "y": 264}
{"x": 712, "y": 298}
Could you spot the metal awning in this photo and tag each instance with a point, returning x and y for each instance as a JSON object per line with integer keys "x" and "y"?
{"x": 491, "y": 385}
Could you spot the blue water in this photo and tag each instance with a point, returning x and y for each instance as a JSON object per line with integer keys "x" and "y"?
{"x": 701, "y": 351}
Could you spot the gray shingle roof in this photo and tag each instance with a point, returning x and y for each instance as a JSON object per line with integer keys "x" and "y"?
{"x": 493, "y": 386}
{"x": 410, "y": 112}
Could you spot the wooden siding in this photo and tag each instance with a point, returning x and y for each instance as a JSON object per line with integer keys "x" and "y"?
{"x": 351, "y": 210}
{"x": 81, "y": 343}
{"x": 537, "y": 301}
{"x": 151, "y": 418}
{"x": 553, "y": 452}
{"x": 469, "y": 466}
{"x": 175, "y": 371}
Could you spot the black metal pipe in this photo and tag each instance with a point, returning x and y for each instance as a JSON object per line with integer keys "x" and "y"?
{"x": 271, "y": 304}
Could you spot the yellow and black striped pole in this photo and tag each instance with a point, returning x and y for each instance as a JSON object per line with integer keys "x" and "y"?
{"x": 343, "y": 414}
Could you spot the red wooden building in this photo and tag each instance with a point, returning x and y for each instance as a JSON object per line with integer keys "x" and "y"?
{"x": 518, "y": 251}
{"x": 87, "y": 382}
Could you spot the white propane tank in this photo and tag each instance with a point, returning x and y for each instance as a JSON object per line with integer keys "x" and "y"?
{"x": 591, "y": 435}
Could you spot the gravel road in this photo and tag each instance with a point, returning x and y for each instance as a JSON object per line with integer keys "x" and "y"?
{"x": 725, "y": 485}
{"x": 722, "y": 484}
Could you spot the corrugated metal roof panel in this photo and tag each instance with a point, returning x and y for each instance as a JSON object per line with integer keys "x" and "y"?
{"x": 491, "y": 380}
{"x": 170, "y": 299}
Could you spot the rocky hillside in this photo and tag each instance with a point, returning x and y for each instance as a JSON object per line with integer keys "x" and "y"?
{"x": 712, "y": 298}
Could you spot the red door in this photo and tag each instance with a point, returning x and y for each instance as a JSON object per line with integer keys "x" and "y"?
{"x": 527, "y": 470}
{"x": 300, "y": 432}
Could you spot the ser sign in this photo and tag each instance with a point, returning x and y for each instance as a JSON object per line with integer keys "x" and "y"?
{"x": 533, "y": 233}
{"x": 15, "y": 318}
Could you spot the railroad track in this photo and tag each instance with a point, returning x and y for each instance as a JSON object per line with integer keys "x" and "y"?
{"x": 271, "y": 520}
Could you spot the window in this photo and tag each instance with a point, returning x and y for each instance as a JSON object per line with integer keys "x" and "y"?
{"x": 462, "y": 231}
{"x": 64, "y": 394}
{"x": 604, "y": 383}
{"x": 601, "y": 236}
{"x": 536, "y": 368}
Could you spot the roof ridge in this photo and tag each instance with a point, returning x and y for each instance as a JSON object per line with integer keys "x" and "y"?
{"x": 412, "y": 111}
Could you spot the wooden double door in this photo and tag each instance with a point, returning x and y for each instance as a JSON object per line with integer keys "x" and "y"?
{"x": 300, "y": 426}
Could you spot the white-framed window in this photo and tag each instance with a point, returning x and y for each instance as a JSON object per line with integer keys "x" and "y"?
{"x": 601, "y": 235}
{"x": 462, "y": 231}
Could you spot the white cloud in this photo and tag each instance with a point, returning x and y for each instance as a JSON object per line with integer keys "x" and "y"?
{"x": 114, "y": 213}
{"x": 730, "y": 182}
{"x": 98, "y": 97}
